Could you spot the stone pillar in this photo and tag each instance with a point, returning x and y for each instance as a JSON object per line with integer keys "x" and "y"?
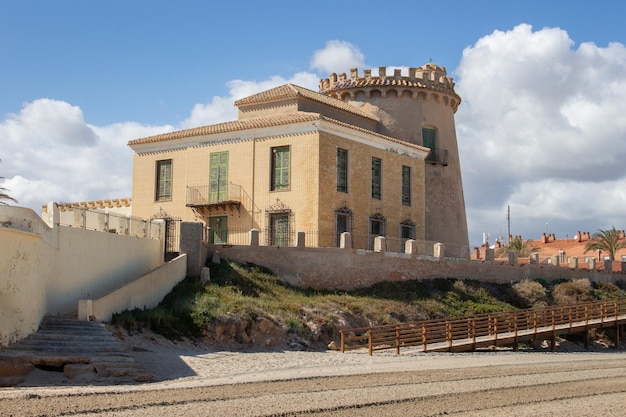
{"x": 591, "y": 264}
{"x": 300, "y": 240}
{"x": 254, "y": 237}
{"x": 410, "y": 247}
{"x": 205, "y": 275}
{"x": 191, "y": 244}
{"x": 439, "y": 251}
{"x": 380, "y": 245}
{"x": 490, "y": 254}
{"x": 80, "y": 218}
{"x": 103, "y": 223}
{"x": 608, "y": 265}
{"x": 573, "y": 262}
{"x": 512, "y": 258}
{"x": 534, "y": 259}
{"x": 554, "y": 260}
{"x": 345, "y": 240}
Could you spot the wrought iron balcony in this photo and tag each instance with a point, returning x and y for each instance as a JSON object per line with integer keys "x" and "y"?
{"x": 203, "y": 197}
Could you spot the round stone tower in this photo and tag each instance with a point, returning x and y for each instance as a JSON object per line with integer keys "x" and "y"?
{"x": 418, "y": 108}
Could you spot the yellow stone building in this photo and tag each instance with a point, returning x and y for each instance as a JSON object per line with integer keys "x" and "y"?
{"x": 297, "y": 160}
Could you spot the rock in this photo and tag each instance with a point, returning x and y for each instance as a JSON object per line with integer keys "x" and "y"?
{"x": 333, "y": 346}
{"x": 75, "y": 370}
{"x": 13, "y": 371}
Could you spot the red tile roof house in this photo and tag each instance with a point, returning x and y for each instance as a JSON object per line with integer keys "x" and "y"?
{"x": 566, "y": 249}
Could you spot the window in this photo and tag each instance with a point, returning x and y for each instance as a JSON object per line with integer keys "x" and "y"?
{"x": 163, "y": 180}
{"x": 376, "y": 180}
{"x": 429, "y": 136}
{"x": 218, "y": 176}
{"x": 407, "y": 230}
{"x": 280, "y": 168}
{"x": 342, "y": 170}
{"x": 406, "y": 186}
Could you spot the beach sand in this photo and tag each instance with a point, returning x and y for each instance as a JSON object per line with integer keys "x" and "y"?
{"x": 213, "y": 381}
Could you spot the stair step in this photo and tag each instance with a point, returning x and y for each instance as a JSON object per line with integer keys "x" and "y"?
{"x": 82, "y": 346}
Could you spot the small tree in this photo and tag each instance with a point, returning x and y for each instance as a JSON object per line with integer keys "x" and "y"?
{"x": 5, "y": 196}
{"x": 607, "y": 241}
{"x": 523, "y": 248}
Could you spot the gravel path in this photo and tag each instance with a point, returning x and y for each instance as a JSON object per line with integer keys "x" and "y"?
{"x": 352, "y": 384}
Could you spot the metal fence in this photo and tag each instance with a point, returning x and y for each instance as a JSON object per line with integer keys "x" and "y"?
{"x": 312, "y": 238}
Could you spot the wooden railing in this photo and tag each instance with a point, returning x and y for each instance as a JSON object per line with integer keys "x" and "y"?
{"x": 482, "y": 330}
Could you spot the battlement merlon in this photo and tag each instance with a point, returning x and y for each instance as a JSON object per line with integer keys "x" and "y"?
{"x": 429, "y": 77}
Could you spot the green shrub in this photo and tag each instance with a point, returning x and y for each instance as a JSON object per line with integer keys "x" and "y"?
{"x": 530, "y": 294}
{"x": 572, "y": 292}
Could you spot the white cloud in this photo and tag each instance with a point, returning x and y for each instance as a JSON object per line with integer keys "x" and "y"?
{"x": 338, "y": 57}
{"x": 541, "y": 128}
{"x": 50, "y": 153}
{"x": 222, "y": 109}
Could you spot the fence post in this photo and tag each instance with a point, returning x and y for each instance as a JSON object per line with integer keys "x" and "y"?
{"x": 345, "y": 240}
{"x": 300, "y": 240}
{"x": 369, "y": 341}
{"x": 424, "y": 338}
{"x": 254, "y": 237}
{"x": 343, "y": 341}
{"x": 397, "y": 340}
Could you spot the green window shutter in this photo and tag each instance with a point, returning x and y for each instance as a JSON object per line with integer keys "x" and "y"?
{"x": 406, "y": 186}
{"x": 376, "y": 178}
{"x": 280, "y": 168}
{"x": 429, "y": 136}
{"x": 218, "y": 176}
{"x": 164, "y": 180}
{"x": 342, "y": 170}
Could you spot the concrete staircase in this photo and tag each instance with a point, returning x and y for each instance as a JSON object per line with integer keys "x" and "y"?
{"x": 85, "y": 351}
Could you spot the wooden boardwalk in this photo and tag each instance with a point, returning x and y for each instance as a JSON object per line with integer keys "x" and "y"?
{"x": 506, "y": 328}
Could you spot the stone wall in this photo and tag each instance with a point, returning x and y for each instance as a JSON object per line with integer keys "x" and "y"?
{"x": 344, "y": 269}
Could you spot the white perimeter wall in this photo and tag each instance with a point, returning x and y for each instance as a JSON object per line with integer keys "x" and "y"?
{"x": 47, "y": 269}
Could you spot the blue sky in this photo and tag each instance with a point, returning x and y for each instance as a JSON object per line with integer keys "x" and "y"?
{"x": 541, "y": 82}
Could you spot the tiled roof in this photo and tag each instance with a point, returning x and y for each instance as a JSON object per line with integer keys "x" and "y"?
{"x": 284, "y": 119}
{"x": 281, "y": 119}
{"x": 293, "y": 91}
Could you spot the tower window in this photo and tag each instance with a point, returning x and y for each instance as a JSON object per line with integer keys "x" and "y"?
{"x": 429, "y": 136}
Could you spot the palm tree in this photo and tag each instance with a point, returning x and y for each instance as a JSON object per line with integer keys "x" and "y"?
{"x": 5, "y": 196}
{"x": 523, "y": 248}
{"x": 607, "y": 241}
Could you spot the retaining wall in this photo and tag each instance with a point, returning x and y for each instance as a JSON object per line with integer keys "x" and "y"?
{"x": 344, "y": 269}
{"x": 46, "y": 268}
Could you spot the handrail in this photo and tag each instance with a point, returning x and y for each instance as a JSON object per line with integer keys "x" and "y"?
{"x": 487, "y": 329}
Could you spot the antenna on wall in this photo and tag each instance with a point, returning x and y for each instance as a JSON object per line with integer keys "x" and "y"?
{"x": 508, "y": 224}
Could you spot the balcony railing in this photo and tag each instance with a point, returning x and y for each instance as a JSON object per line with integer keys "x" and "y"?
{"x": 203, "y": 196}
{"x": 438, "y": 156}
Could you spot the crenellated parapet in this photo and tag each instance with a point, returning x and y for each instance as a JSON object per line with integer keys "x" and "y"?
{"x": 429, "y": 79}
